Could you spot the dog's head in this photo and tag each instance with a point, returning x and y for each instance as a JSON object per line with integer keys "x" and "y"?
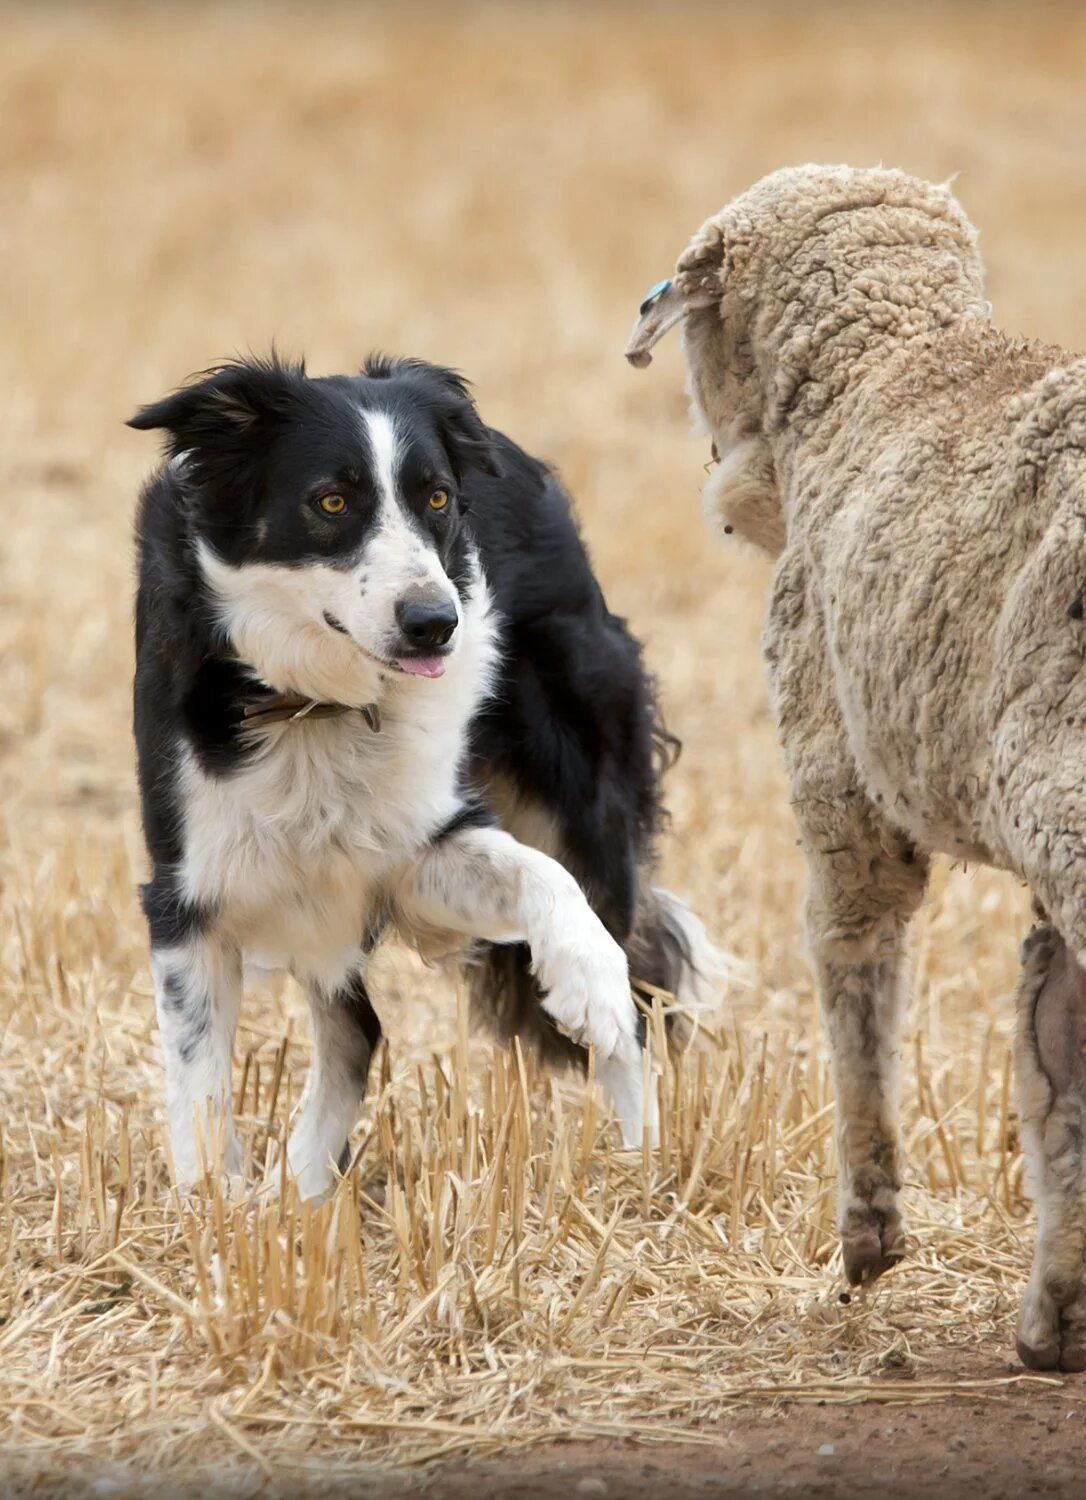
{"x": 778, "y": 292}
{"x": 326, "y": 515}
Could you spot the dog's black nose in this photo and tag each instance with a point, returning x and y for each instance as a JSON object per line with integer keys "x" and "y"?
{"x": 426, "y": 623}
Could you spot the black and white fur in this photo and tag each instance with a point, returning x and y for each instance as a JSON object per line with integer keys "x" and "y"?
{"x": 504, "y": 688}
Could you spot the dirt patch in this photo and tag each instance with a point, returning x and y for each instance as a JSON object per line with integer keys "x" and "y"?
{"x": 1031, "y": 1442}
{"x": 924, "y": 1453}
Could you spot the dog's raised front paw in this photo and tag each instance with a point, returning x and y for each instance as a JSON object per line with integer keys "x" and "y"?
{"x": 588, "y": 994}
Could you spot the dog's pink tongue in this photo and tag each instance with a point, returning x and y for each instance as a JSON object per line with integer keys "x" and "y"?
{"x": 422, "y": 666}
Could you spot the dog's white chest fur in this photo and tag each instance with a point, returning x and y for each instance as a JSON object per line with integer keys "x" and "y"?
{"x": 296, "y": 849}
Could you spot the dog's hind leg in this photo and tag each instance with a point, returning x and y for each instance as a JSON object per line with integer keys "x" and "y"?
{"x": 197, "y": 979}
{"x": 346, "y": 1031}
{"x": 1051, "y": 1068}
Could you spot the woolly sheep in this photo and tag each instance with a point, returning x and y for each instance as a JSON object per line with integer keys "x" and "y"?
{"x": 921, "y": 479}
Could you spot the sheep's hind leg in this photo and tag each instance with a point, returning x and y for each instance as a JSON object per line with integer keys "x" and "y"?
{"x": 1051, "y": 1061}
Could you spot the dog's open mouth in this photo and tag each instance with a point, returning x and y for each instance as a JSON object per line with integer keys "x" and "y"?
{"x": 411, "y": 666}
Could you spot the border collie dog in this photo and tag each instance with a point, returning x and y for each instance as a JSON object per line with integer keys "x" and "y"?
{"x": 378, "y": 691}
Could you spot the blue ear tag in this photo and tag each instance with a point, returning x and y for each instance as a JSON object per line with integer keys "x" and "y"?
{"x": 654, "y": 295}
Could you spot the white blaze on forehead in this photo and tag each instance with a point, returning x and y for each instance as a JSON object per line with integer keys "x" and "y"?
{"x": 385, "y": 450}
{"x": 398, "y": 554}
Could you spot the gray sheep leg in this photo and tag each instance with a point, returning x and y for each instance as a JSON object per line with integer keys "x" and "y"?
{"x": 863, "y": 1005}
{"x": 1051, "y": 1065}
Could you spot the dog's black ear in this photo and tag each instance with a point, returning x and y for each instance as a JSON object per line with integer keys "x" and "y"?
{"x": 228, "y": 402}
{"x": 467, "y": 440}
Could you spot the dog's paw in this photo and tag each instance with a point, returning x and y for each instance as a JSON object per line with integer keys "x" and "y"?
{"x": 194, "y": 1173}
{"x": 587, "y": 992}
{"x": 313, "y": 1175}
{"x": 197, "y": 1191}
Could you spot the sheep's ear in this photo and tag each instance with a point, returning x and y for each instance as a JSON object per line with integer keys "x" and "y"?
{"x": 667, "y": 304}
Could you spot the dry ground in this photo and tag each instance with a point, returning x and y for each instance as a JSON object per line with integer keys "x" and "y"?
{"x": 494, "y": 188}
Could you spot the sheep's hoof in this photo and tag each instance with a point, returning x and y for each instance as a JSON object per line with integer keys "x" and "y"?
{"x": 871, "y": 1248}
{"x": 1066, "y": 1353}
{"x": 1052, "y": 1337}
{"x": 1043, "y": 1356}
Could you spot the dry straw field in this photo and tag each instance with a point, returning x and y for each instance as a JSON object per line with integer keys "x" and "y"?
{"x": 492, "y": 187}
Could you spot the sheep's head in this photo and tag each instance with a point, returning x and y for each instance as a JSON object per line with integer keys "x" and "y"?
{"x": 782, "y": 291}
{"x": 741, "y": 494}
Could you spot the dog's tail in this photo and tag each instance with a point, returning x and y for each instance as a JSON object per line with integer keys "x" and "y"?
{"x": 507, "y": 1001}
{"x": 671, "y": 960}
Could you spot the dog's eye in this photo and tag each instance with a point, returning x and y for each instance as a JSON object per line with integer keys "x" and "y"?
{"x": 439, "y": 498}
{"x": 332, "y": 505}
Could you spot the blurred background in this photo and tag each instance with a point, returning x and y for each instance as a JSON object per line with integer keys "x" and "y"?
{"x": 493, "y": 186}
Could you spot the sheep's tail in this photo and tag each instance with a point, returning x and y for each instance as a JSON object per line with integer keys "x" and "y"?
{"x": 673, "y": 960}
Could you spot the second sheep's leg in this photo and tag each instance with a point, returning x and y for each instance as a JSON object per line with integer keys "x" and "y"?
{"x": 1051, "y": 1065}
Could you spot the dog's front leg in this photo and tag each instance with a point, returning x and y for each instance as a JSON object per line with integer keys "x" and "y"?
{"x": 480, "y": 883}
{"x": 197, "y": 998}
{"x": 346, "y": 1031}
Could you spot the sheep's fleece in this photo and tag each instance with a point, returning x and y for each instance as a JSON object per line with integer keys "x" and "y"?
{"x": 921, "y": 478}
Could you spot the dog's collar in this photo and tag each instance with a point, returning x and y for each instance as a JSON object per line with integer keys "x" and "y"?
{"x": 287, "y": 708}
